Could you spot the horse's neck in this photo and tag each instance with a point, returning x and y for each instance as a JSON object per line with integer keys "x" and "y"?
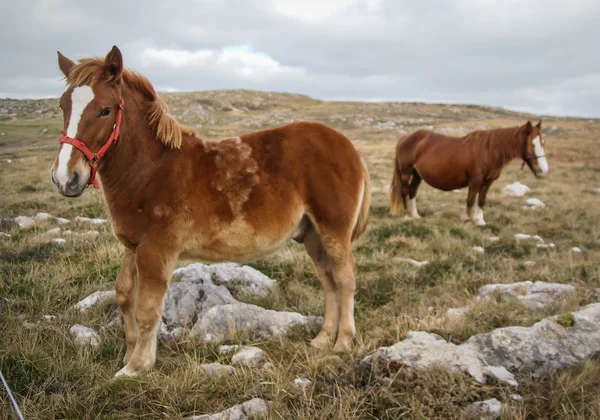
{"x": 506, "y": 147}
{"x": 123, "y": 168}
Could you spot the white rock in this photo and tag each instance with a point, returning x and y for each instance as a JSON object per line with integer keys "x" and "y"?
{"x": 249, "y": 356}
{"x": 516, "y": 397}
{"x": 545, "y": 246}
{"x": 84, "y": 336}
{"x": 8, "y": 160}
{"x": 300, "y": 384}
{"x": 233, "y": 276}
{"x": 456, "y": 313}
{"x": 493, "y": 238}
{"x": 209, "y": 311}
{"x": 67, "y": 232}
{"x": 479, "y": 249}
{"x": 597, "y": 190}
{"x": 217, "y": 369}
{"x": 5, "y": 235}
{"x": 48, "y": 317}
{"x": 523, "y": 237}
{"x": 41, "y": 216}
{"x": 54, "y": 231}
{"x": 533, "y": 203}
{"x": 24, "y": 222}
{"x": 576, "y": 250}
{"x": 93, "y": 234}
{"x": 533, "y": 295}
{"x": 255, "y": 408}
{"x": 516, "y": 189}
{"x": 529, "y": 263}
{"x": 59, "y": 240}
{"x": 62, "y": 220}
{"x": 422, "y": 350}
{"x": 541, "y": 348}
{"x": 96, "y": 298}
{"x": 410, "y": 261}
{"x": 455, "y": 191}
{"x": 92, "y": 221}
{"x": 484, "y": 410}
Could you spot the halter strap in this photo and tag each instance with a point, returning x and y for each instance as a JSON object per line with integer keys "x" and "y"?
{"x": 92, "y": 157}
{"x": 530, "y": 157}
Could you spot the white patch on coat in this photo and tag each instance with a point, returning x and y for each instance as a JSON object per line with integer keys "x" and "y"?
{"x": 80, "y": 98}
{"x": 538, "y": 149}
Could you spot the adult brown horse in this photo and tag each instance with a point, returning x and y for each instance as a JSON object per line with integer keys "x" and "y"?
{"x": 475, "y": 160}
{"x": 170, "y": 195}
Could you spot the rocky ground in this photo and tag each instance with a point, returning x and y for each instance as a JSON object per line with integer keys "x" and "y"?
{"x": 453, "y": 321}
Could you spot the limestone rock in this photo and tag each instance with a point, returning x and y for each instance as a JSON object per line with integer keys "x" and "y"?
{"x": 217, "y": 369}
{"x": 533, "y": 295}
{"x": 484, "y": 410}
{"x": 84, "y": 336}
{"x": 533, "y": 203}
{"x": 94, "y": 299}
{"x": 516, "y": 189}
{"x": 254, "y": 408}
{"x": 544, "y": 346}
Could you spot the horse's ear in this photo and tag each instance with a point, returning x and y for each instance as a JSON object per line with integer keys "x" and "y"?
{"x": 113, "y": 63}
{"x": 64, "y": 64}
{"x": 528, "y": 127}
{"x": 539, "y": 125}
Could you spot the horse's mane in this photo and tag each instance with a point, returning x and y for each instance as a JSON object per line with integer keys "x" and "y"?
{"x": 499, "y": 145}
{"x": 90, "y": 71}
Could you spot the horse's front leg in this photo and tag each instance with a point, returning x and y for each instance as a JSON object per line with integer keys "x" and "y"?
{"x": 126, "y": 288}
{"x": 154, "y": 266}
{"x": 478, "y": 211}
{"x": 474, "y": 186}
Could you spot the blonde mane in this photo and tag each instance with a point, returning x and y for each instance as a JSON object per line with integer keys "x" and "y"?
{"x": 91, "y": 71}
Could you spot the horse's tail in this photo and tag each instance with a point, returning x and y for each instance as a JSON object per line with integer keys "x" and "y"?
{"x": 396, "y": 188}
{"x": 361, "y": 222}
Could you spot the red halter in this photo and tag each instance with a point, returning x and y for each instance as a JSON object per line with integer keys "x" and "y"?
{"x": 92, "y": 157}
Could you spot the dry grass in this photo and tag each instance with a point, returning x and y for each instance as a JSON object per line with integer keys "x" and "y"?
{"x": 53, "y": 378}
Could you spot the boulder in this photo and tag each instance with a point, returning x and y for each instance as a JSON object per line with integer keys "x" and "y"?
{"x": 549, "y": 344}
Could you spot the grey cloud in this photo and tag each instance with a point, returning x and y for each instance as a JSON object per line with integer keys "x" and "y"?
{"x": 537, "y": 55}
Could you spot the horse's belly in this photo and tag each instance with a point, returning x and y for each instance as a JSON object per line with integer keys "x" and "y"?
{"x": 239, "y": 242}
{"x": 443, "y": 178}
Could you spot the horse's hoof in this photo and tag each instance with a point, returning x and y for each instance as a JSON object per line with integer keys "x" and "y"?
{"x": 125, "y": 373}
{"x": 342, "y": 347}
{"x": 320, "y": 342}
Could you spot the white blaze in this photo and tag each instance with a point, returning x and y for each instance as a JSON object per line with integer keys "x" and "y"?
{"x": 80, "y": 98}
{"x": 541, "y": 156}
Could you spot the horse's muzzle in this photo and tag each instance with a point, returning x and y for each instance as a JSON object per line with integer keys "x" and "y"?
{"x": 72, "y": 188}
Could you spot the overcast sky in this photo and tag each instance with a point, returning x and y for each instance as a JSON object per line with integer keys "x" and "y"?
{"x": 541, "y": 56}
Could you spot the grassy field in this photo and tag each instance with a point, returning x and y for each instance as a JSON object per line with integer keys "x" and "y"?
{"x": 53, "y": 378}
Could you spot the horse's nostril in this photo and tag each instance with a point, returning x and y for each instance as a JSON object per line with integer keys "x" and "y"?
{"x": 74, "y": 181}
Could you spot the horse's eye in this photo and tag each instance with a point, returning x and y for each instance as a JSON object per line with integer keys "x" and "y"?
{"x": 105, "y": 112}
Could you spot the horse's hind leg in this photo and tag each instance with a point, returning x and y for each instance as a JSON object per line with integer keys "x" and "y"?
{"x": 343, "y": 273}
{"x": 335, "y": 266}
{"x": 126, "y": 288}
{"x": 405, "y": 179}
{"x": 412, "y": 194}
{"x": 323, "y": 266}
{"x": 154, "y": 267}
